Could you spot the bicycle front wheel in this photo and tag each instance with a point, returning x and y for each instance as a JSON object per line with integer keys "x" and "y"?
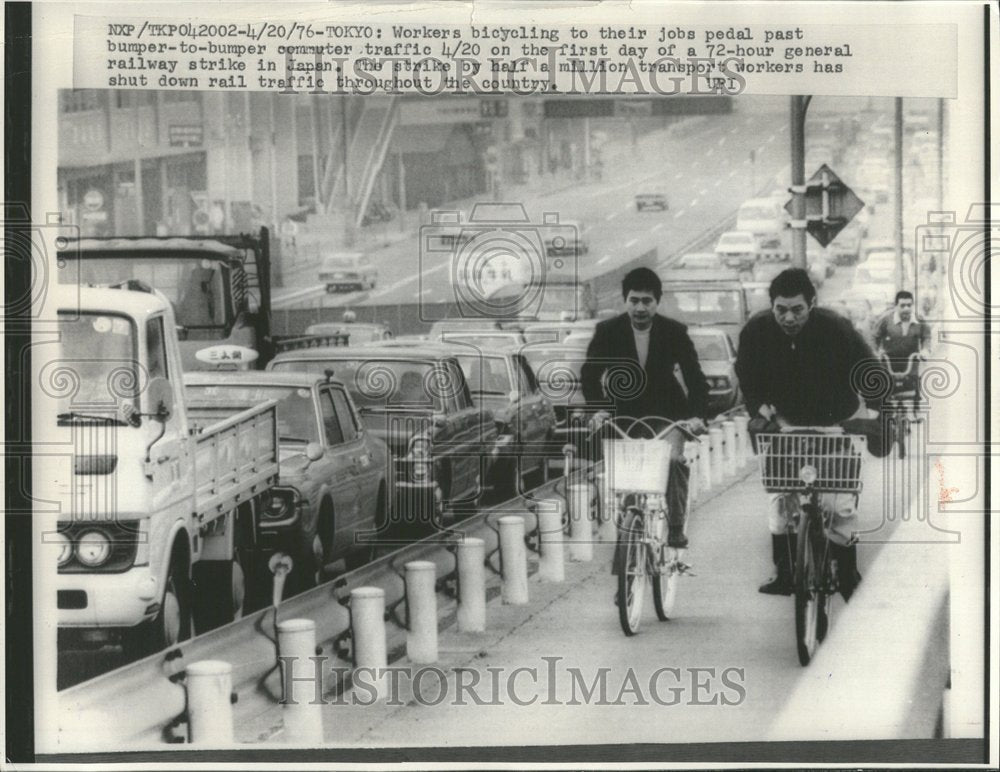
{"x": 810, "y": 603}
{"x": 663, "y": 575}
{"x": 632, "y": 562}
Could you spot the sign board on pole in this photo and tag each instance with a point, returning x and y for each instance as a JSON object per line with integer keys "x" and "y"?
{"x": 830, "y": 205}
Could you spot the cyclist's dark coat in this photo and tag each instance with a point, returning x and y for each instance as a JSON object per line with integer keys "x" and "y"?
{"x": 656, "y": 392}
{"x": 812, "y": 379}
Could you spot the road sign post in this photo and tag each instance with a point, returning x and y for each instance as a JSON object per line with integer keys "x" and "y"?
{"x": 829, "y": 205}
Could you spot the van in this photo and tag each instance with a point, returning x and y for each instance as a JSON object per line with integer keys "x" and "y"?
{"x": 347, "y": 272}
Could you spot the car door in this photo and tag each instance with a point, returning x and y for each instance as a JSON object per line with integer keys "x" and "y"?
{"x": 464, "y": 431}
{"x": 538, "y": 411}
{"x": 365, "y": 465}
{"x": 345, "y": 488}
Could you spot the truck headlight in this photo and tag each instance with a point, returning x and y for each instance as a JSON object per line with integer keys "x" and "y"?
{"x": 808, "y": 474}
{"x": 93, "y": 548}
{"x": 420, "y": 448}
{"x": 62, "y": 541}
{"x": 280, "y": 505}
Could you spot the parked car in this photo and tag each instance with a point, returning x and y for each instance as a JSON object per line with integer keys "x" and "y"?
{"x": 717, "y": 303}
{"x": 348, "y": 272}
{"x": 651, "y": 199}
{"x": 358, "y": 333}
{"x": 717, "y": 357}
{"x": 554, "y": 332}
{"x": 334, "y": 478}
{"x": 737, "y": 249}
{"x": 504, "y": 383}
{"x": 416, "y": 399}
{"x": 557, "y": 368}
{"x": 700, "y": 261}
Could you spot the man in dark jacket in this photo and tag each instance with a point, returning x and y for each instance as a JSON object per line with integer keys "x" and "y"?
{"x": 630, "y": 373}
{"x": 801, "y": 365}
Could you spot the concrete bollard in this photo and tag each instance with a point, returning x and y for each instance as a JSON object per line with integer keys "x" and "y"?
{"x": 705, "y": 462}
{"x": 514, "y": 558}
{"x": 691, "y": 458}
{"x": 302, "y": 707}
{"x": 368, "y": 633}
{"x": 581, "y": 545}
{"x": 552, "y": 552}
{"x": 718, "y": 460}
{"x": 733, "y": 460}
{"x": 743, "y": 433}
{"x": 421, "y": 612}
{"x": 606, "y": 528}
{"x": 471, "y": 585}
{"x": 210, "y": 711}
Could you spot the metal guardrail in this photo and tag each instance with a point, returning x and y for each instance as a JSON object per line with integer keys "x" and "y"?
{"x": 144, "y": 704}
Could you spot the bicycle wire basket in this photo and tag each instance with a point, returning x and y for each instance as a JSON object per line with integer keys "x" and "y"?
{"x": 637, "y": 466}
{"x": 828, "y": 463}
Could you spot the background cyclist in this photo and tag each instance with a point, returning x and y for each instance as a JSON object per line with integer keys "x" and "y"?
{"x": 795, "y": 365}
{"x": 899, "y": 334}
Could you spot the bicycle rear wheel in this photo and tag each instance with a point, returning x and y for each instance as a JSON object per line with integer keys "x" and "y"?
{"x": 810, "y": 601}
{"x": 632, "y": 561}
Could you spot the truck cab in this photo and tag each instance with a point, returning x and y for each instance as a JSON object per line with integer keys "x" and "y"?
{"x": 153, "y": 527}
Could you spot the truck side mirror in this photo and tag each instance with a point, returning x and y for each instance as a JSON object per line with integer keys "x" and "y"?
{"x": 314, "y": 451}
{"x": 161, "y": 399}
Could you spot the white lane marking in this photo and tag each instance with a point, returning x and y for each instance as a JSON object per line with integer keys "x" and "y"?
{"x": 678, "y": 175}
{"x": 611, "y": 216}
{"x": 732, "y": 173}
{"x": 770, "y": 139}
{"x": 703, "y": 192}
{"x": 604, "y": 259}
{"x": 628, "y": 206}
{"x": 656, "y": 227}
{"x": 694, "y": 203}
{"x": 679, "y": 213}
{"x": 409, "y": 280}
{"x": 709, "y": 152}
{"x": 722, "y": 140}
{"x": 630, "y": 242}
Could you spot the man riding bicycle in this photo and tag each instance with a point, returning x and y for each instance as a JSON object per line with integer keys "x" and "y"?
{"x": 795, "y": 365}
{"x": 901, "y": 334}
{"x": 630, "y": 373}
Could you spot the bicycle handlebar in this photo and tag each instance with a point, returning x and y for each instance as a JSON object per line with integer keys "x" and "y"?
{"x": 911, "y": 362}
{"x": 681, "y": 425}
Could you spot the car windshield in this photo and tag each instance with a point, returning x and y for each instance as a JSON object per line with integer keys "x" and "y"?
{"x": 557, "y": 300}
{"x": 95, "y": 370}
{"x": 482, "y": 341}
{"x": 710, "y": 348}
{"x": 486, "y": 375}
{"x": 702, "y": 306}
{"x": 377, "y": 383}
{"x": 557, "y": 367}
{"x": 358, "y": 333}
{"x": 196, "y": 286}
{"x": 295, "y": 410}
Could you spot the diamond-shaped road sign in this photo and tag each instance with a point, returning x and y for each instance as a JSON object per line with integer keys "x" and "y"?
{"x": 830, "y": 205}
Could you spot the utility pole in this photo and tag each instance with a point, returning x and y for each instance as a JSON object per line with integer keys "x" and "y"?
{"x": 797, "y": 115}
{"x": 940, "y": 153}
{"x": 897, "y": 204}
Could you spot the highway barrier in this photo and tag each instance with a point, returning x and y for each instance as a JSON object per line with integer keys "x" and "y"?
{"x": 471, "y": 556}
{"x": 368, "y": 634}
{"x": 551, "y": 559}
{"x": 209, "y": 690}
{"x": 581, "y": 522}
{"x": 513, "y": 560}
{"x": 301, "y": 713}
{"x": 421, "y": 612}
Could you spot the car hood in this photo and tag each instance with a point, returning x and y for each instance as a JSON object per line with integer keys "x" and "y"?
{"x": 716, "y": 368}
{"x": 397, "y": 427}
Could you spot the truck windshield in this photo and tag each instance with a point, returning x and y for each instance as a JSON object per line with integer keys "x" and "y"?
{"x": 702, "y": 306}
{"x": 96, "y": 370}
{"x": 296, "y": 412}
{"x": 375, "y": 383}
{"x": 197, "y": 287}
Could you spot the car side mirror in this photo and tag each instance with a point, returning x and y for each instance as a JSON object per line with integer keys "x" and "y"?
{"x": 161, "y": 399}
{"x": 315, "y": 451}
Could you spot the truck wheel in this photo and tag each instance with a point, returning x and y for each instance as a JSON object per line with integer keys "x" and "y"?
{"x": 172, "y": 625}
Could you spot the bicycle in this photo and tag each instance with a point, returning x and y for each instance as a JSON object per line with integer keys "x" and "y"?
{"x": 637, "y": 471}
{"x": 904, "y": 396}
{"x": 809, "y": 461}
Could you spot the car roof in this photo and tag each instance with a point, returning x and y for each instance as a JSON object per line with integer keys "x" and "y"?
{"x": 427, "y": 351}
{"x": 251, "y": 377}
{"x": 720, "y": 284}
